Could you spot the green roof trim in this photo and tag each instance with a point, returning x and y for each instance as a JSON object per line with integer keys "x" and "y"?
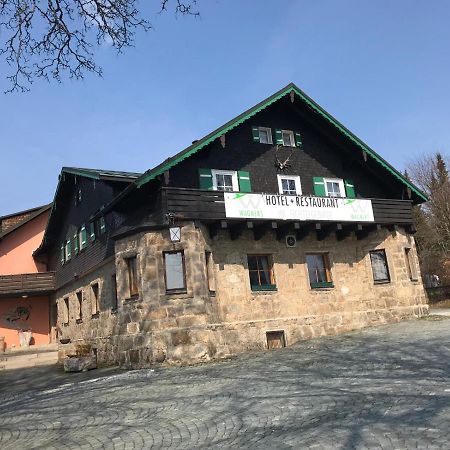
{"x": 195, "y": 147}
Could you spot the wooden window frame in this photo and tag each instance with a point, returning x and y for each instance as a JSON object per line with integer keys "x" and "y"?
{"x": 272, "y": 286}
{"x": 410, "y": 264}
{"x": 327, "y": 267}
{"x": 183, "y": 262}
{"x": 269, "y": 134}
{"x": 380, "y": 281}
{"x": 340, "y": 181}
{"x": 296, "y": 178}
{"x": 234, "y": 179}
{"x": 291, "y": 138}
{"x": 133, "y": 293}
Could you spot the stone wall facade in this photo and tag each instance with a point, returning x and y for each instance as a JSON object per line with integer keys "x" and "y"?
{"x": 198, "y": 325}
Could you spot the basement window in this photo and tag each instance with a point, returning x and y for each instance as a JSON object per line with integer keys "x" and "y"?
{"x": 319, "y": 270}
{"x": 275, "y": 339}
{"x": 174, "y": 272}
{"x": 380, "y": 268}
{"x": 260, "y": 269}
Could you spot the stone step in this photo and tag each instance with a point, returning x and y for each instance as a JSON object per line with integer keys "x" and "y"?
{"x": 23, "y": 361}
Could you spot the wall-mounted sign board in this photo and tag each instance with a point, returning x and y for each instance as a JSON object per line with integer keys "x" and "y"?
{"x": 297, "y": 207}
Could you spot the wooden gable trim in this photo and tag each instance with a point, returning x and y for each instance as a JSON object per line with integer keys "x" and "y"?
{"x": 289, "y": 89}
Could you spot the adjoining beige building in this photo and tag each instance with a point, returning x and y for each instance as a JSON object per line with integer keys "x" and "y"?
{"x": 279, "y": 226}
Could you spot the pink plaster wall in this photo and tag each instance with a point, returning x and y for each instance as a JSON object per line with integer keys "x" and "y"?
{"x": 30, "y": 313}
{"x": 16, "y": 249}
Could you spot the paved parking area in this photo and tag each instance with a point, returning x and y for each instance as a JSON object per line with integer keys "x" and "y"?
{"x": 386, "y": 387}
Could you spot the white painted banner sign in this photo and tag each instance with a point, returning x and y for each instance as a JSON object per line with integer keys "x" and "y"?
{"x": 297, "y": 207}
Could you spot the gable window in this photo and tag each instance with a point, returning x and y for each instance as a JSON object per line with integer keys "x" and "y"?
{"x": 68, "y": 250}
{"x": 132, "y": 276}
{"x": 289, "y": 184}
{"x": 82, "y": 242}
{"x": 334, "y": 187}
{"x": 380, "y": 268}
{"x": 410, "y": 266}
{"x": 95, "y": 300}
{"x": 288, "y": 138}
{"x": 260, "y": 269}
{"x": 225, "y": 180}
{"x": 319, "y": 270}
{"x": 79, "y": 317}
{"x": 263, "y": 135}
{"x": 174, "y": 271}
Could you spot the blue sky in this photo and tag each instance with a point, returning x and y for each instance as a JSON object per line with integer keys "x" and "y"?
{"x": 380, "y": 67}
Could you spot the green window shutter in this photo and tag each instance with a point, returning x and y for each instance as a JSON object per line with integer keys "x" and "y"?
{"x": 244, "y": 181}
{"x": 350, "y": 189}
{"x": 75, "y": 243}
{"x": 83, "y": 238}
{"x": 298, "y": 139}
{"x": 68, "y": 249}
{"x": 319, "y": 187}
{"x": 102, "y": 225}
{"x": 255, "y": 133}
{"x": 62, "y": 254}
{"x": 205, "y": 179}
{"x": 278, "y": 137}
{"x": 92, "y": 227}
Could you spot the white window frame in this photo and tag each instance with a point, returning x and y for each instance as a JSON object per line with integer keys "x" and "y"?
{"x": 234, "y": 178}
{"x": 340, "y": 181}
{"x": 269, "y": 134}
{"x": 291, "y": 138}
{"x": 296, "y": 178}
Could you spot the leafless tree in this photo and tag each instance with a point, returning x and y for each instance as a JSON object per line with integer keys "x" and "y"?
{"x": 51, "y": 38}
{"x": 430, "y": 173}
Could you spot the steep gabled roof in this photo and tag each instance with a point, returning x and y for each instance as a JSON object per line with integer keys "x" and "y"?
{"x": 35, "y": 212}
{"x": 94, "y": 174}
{"x": 99, "y": 174}
{"x": 290, "y": 88}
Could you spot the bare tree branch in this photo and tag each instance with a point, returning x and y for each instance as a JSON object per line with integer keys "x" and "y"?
{"x": 54, "y": 38}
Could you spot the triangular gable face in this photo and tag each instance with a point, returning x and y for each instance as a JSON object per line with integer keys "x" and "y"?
{"x": 79, "y": 194}
{"x": 324, "y": 148}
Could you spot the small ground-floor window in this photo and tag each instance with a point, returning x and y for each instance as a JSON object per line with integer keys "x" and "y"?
{"x": 410, "y": 266}
{"x": 260, "y": 269}
{"x": 319, "y": 271}
{"x": 66, "y": 311}
{"x": 132, "y": 276}
{"x": 174, "y": 272}
{"x": 114, "y": 299}
{"x": 380, "y": 268}
{"x": 79, "y": 306}
{"x": 95, "y": 300}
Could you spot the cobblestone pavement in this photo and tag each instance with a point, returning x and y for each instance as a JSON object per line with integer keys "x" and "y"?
{"x": 386, "y": 387}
